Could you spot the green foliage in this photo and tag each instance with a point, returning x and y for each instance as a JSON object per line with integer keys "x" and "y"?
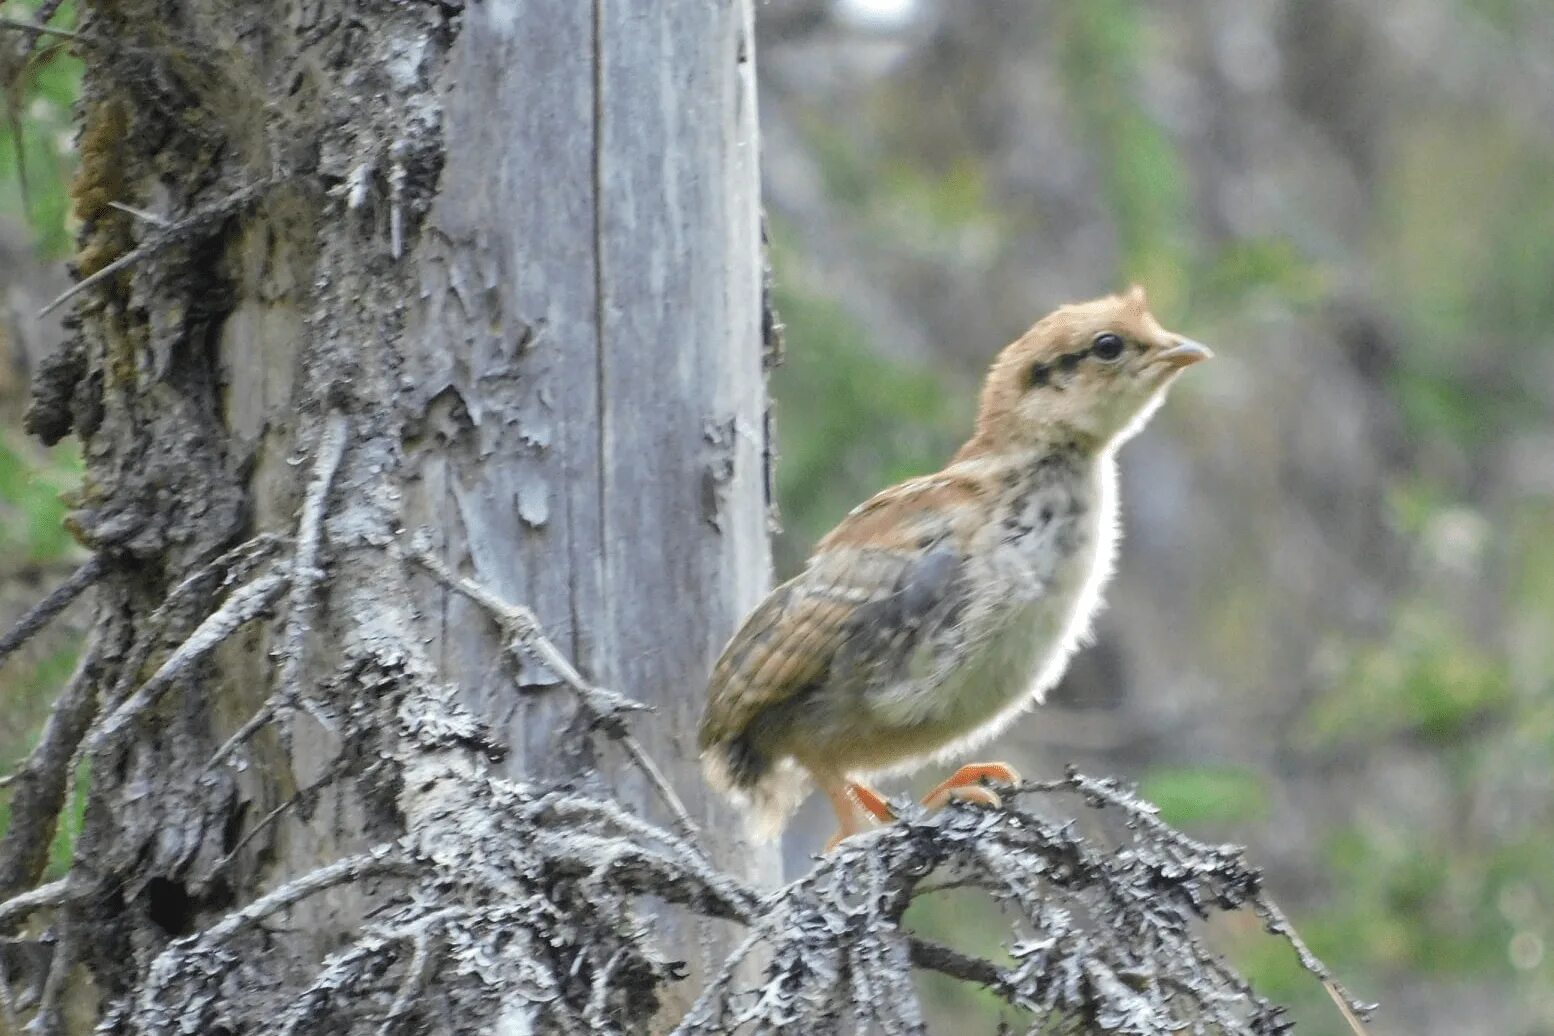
{"x": 1144, "y": 183}
{"x": 1270, "y": 265}
{"x": 1468, "y": 220}
{"x": 1426, "y": 681}
{"x": 849, "y": 420}
{"x": 31, "y": 509}
{"x": 1198, "y": 794}
{"x": 39, "y": 102}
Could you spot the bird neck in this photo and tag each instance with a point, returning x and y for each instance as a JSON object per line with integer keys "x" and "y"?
{"x": 990, "y": 442}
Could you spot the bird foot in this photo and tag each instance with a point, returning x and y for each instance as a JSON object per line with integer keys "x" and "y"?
{"x": 872, "y": 802}
{"x": 865, "y": 798}
{"x": 964, "y": 784}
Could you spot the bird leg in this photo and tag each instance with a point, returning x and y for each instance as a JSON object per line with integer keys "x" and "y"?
{"x": 963, "y": 785}
{"x": 872, "y": 801}
{"x": 846, "y": 800}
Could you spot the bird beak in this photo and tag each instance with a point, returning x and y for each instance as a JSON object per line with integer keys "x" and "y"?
{"x": 1185, "y": 353}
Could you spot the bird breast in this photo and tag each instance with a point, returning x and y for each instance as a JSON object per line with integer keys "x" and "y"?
{"x": 1035, "y": 574}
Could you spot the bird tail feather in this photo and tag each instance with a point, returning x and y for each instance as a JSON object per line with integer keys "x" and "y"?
{"x": 768, "y": 792}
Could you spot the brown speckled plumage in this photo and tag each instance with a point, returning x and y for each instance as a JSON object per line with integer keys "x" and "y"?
{"x": 940, "y": 608}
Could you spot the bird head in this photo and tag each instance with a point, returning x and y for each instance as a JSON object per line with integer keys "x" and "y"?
{"x": 1092, "y": 372}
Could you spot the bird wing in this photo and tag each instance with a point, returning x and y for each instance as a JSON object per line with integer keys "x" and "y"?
{"x": 870, "y": 590}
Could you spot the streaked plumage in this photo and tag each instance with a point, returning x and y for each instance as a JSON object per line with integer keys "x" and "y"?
{"x": 940, "y": 608}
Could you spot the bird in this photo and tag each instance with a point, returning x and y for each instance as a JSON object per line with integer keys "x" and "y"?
{"x": 943, "y": 607}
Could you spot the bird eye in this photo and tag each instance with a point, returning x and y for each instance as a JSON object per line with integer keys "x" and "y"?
{"x": 1106, "y": 346}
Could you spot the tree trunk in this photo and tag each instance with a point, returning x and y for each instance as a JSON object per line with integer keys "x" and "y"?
{"x": 481, "y": 279}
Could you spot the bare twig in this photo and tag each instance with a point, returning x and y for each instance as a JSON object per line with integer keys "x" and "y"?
{"x": 233, "y": 566}
{"x": 242, "y": 607}
{"x": 951, "y": 962}
{"x": 306, "y": 575}
{"x": 55, "y": 893}
{"x": 1110, "y": 792}
{"x": 299, "y": 796}
{"x": 42, "y": 781}
{"x": 1341, "y": 1001}
{"x": 1353, "y": 1010}
{"x": 377, "y": 862}
{"x": 57, "y": 601}
{"x": 166, "y": 237}
{"x": 605, "y": 707}
{"x": 530, "y": 639}
{"x": 50, "y": 1017}
{"x": 140, "y": 214}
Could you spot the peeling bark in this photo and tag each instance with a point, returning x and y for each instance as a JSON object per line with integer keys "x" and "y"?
{"x": 491, "y": 270}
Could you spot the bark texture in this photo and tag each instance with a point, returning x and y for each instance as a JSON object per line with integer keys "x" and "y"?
{"x": 487, "y": 270}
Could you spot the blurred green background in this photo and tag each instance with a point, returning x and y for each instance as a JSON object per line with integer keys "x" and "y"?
{"x": 1332, "y": 633}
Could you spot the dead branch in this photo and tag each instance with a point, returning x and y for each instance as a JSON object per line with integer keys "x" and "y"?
{"x": 301, "y": 795}
{"x": 1107, "y": 791}
{"x": 530, "y": 895}
{"x": 306, "y": 576}
{"x": 55, "y": 893}
{"x": 605, "y": 708}
{"x": 242, "y": 607}
{"x": 162, "y": 239}
{"x": 140, "y": 214}
{"x": 57, "y": 601}
{"x": 50, "y": 1017}
{"x": 380, "y": 861}
{"x": 305, "y": 571}
{"x": 417, "y": 972}
{"x": 41, "y": 782}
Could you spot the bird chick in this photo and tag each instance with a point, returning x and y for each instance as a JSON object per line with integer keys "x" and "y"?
{"x": 943, "y": 606}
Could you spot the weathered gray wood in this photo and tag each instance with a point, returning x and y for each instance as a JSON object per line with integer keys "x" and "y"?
{"x": 590, "y": 341}
{"x": 510, "y": 253}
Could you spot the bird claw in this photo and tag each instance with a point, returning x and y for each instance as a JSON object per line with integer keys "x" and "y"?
{"x": 964, "y": 784}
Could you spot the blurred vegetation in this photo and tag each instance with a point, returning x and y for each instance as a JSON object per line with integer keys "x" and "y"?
{"x": 37, "y": 153}
{"x": 38, "y": 92}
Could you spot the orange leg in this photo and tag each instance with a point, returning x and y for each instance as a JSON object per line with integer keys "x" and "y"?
{"x": 848, "y": 821}
{"x": 847, "y": 800}
{"x": 963, "y": 784}
{"x": 873, "y": 802}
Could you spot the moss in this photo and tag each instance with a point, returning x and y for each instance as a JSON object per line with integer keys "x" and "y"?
{"x": 99, "y": 181}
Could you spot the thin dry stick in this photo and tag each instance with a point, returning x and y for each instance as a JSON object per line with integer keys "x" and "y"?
{"x": 603, "y": 705}
{"x": 50, "y": 1017}
{"x": 166, "y": 237}
{"x": 301, "y": 794}
{"x": 233, "y": 566}
{"x": 58, "y": 600}
{"x": 141, "y": 214}
{"x": 55, "y": 893}
{"x": 306, "y": 575}
{"x": 242, "y": 607}
{"x": 43, "y": 783}
{"x": 382, "y": 860}
{"x": 1274, "y": 919}
{"x": 1341, "y": 1002}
